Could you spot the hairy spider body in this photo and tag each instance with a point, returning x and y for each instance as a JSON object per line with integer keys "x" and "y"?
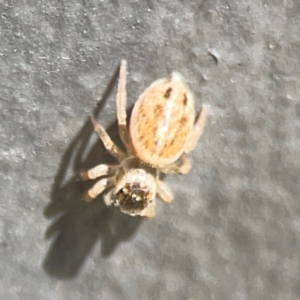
{"x": 162, "y": 131}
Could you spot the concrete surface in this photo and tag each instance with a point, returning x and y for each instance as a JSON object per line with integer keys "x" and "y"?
{"x": 232, "y": 231}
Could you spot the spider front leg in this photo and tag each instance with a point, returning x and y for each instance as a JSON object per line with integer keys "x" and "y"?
{"x": 121, "y": 101}
{"x": 148, "y": 212}
{"x": 98, "y": 171}
{"x": 164, "y": 192}
{"x": 98, "y": 188}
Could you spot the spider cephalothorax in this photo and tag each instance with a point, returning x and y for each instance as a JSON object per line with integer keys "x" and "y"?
{"x": 134, "y": 188}
{"x": 162, "y": 132}
{"x": 132, "y": 198}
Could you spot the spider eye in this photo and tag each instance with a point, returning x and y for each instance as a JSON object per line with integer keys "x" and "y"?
{"x": 132, "y": 198}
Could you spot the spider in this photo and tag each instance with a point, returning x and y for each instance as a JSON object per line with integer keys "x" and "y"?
{"x": 162, "y": 131}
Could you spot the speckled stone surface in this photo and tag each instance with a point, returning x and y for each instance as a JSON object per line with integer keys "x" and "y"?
{"x": 233, "y": 231}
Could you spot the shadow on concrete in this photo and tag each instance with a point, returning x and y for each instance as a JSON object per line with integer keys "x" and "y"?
{"x": 77, "y": 226}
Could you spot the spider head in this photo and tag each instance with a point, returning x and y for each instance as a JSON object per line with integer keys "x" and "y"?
{"x": 135, "y": 192}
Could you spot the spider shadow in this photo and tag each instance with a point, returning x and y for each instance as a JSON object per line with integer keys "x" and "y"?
{"x": 78, "y": 225}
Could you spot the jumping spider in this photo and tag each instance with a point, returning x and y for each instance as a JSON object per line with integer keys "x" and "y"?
{"x": 162, "y": 131}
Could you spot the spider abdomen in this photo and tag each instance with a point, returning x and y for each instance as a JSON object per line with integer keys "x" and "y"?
{"x": 162, "y": 121}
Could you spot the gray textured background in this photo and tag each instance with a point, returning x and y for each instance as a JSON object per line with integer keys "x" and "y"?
{"x": 232, "y": 231}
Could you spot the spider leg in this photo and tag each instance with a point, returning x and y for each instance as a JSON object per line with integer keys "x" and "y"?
{"x": 198, "y": 129}
{"x": 183, "y": 167}
{"x": 121, "y": 100}
{"x": 98, "y": 188}
{"x": 164, "y": 192}
{"x": 148, "y": 212}
{"x": 107, "y": 142}
{"x": 98, "y": 171}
